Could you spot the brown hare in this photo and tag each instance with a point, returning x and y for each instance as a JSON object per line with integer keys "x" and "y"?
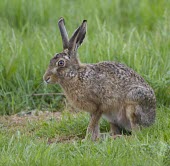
{"x": 107, "y": 89}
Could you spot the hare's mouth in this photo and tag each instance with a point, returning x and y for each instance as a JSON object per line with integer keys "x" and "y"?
{"x": 47, "y": 80}
{"x": 50, "y": 80}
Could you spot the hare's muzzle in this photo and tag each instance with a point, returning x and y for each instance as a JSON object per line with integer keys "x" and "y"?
{"x": 50, "y": 77}
{"x": 46, "y": 78}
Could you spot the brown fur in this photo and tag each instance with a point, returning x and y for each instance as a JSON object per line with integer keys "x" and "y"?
{"x": 107, "y": 89}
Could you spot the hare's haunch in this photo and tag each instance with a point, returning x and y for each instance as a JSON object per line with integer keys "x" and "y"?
{"x": 107, "y": 89}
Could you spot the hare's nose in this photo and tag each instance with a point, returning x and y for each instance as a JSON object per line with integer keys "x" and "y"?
{"x": 47, "y": 80}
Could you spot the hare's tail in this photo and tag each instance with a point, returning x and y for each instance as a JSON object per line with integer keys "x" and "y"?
{"x": 145, "y": 115}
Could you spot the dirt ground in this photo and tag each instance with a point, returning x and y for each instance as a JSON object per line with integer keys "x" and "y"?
{"x": 22, "y": 118}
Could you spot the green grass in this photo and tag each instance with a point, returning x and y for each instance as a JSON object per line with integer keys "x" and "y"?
{"x": 58, "y": 142}
{"x": 133, "y": 32}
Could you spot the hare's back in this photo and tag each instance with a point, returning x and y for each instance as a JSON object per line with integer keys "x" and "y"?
{"x": 109, "y": 80}
{"x": 119, "y": 73}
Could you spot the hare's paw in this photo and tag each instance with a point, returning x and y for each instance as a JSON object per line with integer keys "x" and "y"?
{"x": 92, "y": 133}
{"x": 116, "y": 136}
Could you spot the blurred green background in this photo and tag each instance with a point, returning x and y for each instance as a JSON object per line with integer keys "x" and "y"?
{"x": 136, "y": 33}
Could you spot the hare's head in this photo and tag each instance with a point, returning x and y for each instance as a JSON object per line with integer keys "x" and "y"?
{"x": 67, "y": 61}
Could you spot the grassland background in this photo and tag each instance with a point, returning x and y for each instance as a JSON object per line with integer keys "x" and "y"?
{"x": 136, "y": 33}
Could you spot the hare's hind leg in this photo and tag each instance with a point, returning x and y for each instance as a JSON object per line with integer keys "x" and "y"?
{"x": 141, "y": 107}
{"x": 115, "y": 130}
{"x": 93, "y": 127}
{"x": 130, "y": 114}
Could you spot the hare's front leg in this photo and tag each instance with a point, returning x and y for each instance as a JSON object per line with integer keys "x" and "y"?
{"x": 93, "y": 127}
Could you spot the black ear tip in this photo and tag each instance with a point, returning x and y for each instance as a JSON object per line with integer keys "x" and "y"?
{"x": 84, "y": 24}
{"x": 61, "y": 19}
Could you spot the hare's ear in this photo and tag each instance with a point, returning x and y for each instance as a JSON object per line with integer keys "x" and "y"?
{"x": 77, "y": 38}
{"x": 63, "y": 32}
{"x": 82, "y": 33}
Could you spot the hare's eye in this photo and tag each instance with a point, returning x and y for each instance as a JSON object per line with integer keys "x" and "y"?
{"x": 61, "y": 63}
